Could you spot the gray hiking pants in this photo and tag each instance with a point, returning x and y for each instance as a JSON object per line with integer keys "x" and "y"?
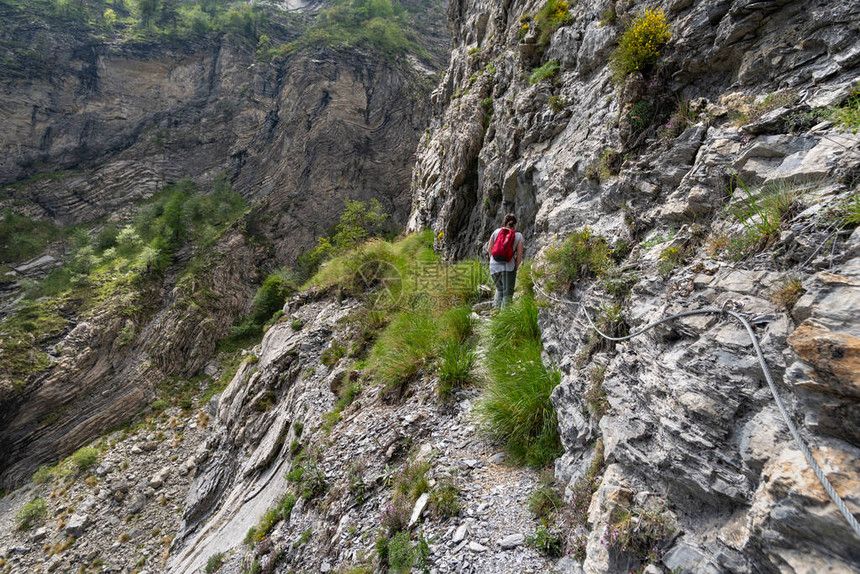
{"x": 504, "y": 282}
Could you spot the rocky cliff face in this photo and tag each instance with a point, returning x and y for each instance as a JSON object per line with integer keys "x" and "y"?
{"x": 690, "y": 419}
{"x": 97, "y": 126}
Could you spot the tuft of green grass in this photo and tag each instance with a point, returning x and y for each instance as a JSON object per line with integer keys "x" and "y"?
{"x": 847, "y": 115}
{"x": 787, "y": 294}
{"x": 762, "y": 212}
{"x": 515, "y": 406}
{"x": 407, "y": 344}
{"x": 456, "y": 367}
{"x": 445, "y": 500}
{"x": 34, "y": 511}
{"x": 545, "y": 72}
{"x": 411, "y": 481}
{"x": 85, "y": 458}
{"x": 544, "y": 501}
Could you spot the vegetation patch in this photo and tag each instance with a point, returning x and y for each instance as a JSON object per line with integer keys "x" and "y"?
{"x": 642, "y": 531}
{"x": 22, "y": 238}
{"x": 788, "y": 293}
{"x": 580, "y": 500}
{"x": 545, "y": 72}
{"x": 445, "y": 500}
{"x": 769, "y": 103}
{"x": 380, "y": 25}
{"x": 552, "y": 16}
{"x": 515, "y": 406}
{"x": 581, "y": 255}
{"x": 640, "y": 45}
{"x": 607, "y": 165}
{"x": 31, "y": 513}
{"x": 85, "y": 458}
{"x": 214, "y": 563}
{"x": 847, "y": 115}
{"x": 762, "y": 212}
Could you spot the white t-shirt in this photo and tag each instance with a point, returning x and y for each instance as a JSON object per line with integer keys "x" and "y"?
{"x": 499, "y": 266}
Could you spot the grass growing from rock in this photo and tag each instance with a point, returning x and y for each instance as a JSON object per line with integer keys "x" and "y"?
{"x": 762, "y": 212}
{"x": 85, "y": 458}
{"x": 34, "y": 511}
{"x": 545, "y": 72}
{"x": 515, "y": 406}
{"x": 581, "y": 255}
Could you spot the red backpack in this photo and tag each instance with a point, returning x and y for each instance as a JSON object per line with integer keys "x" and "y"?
{"x": 503, "y": 247}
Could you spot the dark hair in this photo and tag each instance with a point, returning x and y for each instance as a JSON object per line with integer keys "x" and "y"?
{"x": 510, "y": 218}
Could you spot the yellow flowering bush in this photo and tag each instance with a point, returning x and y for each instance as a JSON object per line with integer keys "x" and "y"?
{"x": 553, "y": 15}
{"x": 640, "y": 44}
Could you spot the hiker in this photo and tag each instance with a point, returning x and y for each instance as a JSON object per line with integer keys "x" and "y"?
{"x": 506, "y": 253}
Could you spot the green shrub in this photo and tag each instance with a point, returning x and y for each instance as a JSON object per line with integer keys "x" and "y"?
{"x": 641, "y": 115}
{"x": 43, "y": 475}
{"x": 213, "y": 564}
{"x": 85, "y": 458}
{"x": 516, "y": 406}
{"x": 401, "y": 555}
{"x": 22, "y": 238}
{"x": 309, "y": 478}
{"x": 546, "y": 541}
{"x": 380, "y": 25}
{"x": 581, "y": 255}
{"x": 545, "y": 72}
{"x": 557, "y": 103}
{"x": 34, "y": 511}
{"x": 640, "y": 45}
{"x": 608, "y": 164}
{"x": 332, "y": 354}
{"x": 359, "y": 222}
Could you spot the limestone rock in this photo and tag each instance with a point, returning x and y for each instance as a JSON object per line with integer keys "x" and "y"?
{"x": 512, "y": 541}
{"x": 77, "y": 524}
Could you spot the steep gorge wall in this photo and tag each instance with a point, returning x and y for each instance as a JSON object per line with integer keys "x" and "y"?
{"x": 691, "y": 419}
{"x": 106, "y": 126}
